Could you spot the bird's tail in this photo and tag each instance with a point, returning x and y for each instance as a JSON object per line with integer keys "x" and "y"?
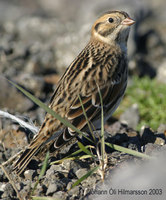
{"x": 47, "y": 130}
{"x": 25, "y": 158}
{"x": 56, "y": 141}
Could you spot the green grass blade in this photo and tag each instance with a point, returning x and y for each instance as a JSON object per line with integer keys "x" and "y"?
{"x": 71, "y": 158}
{"x": 46, "y": 108}
{"x": 42, "y": 172}
{"x": 43, "y": 169}
{"x": 102, "y": 126}
{"x": 80, "y": 150}
{"x": 85, "y": 176}
{"x": 129, "y": 151}
{"x": 84, "y": 149}
{"x": 74, "y": 154}
{"x": 89, "y": 126}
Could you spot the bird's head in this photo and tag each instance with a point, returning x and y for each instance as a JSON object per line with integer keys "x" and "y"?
{"x": 112, "y": 27}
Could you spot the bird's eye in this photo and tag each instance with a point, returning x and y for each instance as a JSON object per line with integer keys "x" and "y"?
{"x": 111, "y": 20}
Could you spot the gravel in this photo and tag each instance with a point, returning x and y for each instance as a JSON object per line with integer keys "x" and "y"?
{"x": 59, "y": 178}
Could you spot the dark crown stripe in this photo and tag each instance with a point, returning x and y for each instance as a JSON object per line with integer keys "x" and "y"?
{"x": 117, "y": 11}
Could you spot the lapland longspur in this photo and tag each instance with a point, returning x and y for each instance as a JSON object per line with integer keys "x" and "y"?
{"x": 102, "y": 63}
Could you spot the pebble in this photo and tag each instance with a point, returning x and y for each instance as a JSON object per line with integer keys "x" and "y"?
{"x": 29, "y": 174}
{"x": 69, "y": 185}
{"x": 9, "y": 192}
{"x": 161, "y": 73}
{"x": 2, "y": 187}
{"x": 74, "y": 191}
{"x": 59, "y": 195}
{"x": 151, "y": 148}
{"x": 160, "y": 141}
{"x": 52, "y": 188}
{"x": 81, "y": 172}
{"x": 131, "y": 116}
{"x": 161, "y": 128}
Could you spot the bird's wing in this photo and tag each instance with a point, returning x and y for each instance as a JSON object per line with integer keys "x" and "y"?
{"x": 92, "y": 104}
{"x": 88, "y": 85}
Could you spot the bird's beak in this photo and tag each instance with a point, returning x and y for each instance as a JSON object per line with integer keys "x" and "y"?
{"x": 128, "y": 21}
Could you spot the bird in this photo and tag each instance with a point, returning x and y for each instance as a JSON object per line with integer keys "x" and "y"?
{"x": 101, "y": 65}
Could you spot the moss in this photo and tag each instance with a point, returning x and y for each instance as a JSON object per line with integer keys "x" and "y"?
{"x": 150, "y": 95}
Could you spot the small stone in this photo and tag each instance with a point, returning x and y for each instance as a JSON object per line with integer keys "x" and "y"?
{"x": 161, "y": 72}
{"x": 161, "y": 128}
{"x": 56, "y": 168}
{"x": 114, "y": 128}
{"x": 151, "y": 148}
{"x": 8, "y": 191}
{"x": 29, "y": 174}
{"x": 52, "y": 188}
{"x": 81, "y": 172}
{"x": 24, "y": 188}
{"x": 74, "y": 191}
{"x": 2, "y": 187}
{"x": 159, "y": 141}
{"x": 59, "y": 195}
{"x": 69, "y": 185}
{"x": 53, "y": 171}
{"x": 90, "y": 181}
{"x": 86, "y": 191}
{"x": 131, "y": 116}
{"x": 67, "y": 164}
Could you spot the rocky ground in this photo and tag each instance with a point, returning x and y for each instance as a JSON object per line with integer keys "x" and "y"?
{"x": 38, "y": 40}
{"x": 59, "y": 178}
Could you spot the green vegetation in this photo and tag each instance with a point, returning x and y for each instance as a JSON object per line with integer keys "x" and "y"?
{"x": 150, "y": 95}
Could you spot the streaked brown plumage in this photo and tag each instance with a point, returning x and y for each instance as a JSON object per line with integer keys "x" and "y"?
{"x": 102, "y": 62}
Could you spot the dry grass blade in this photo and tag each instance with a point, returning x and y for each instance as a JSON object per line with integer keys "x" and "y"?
{"x": 129, "y": 151}
{"x": 103, "y": 160}
{"x": 22, "y": 123}
{"x": 11, "y": 182}
{"x": 83, "y": 148}
{"x": 71, "y": 158}
{"x": 12, "y": 158}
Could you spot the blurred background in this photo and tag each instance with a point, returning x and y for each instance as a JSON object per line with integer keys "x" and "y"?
{"x": 39, "y": 39}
